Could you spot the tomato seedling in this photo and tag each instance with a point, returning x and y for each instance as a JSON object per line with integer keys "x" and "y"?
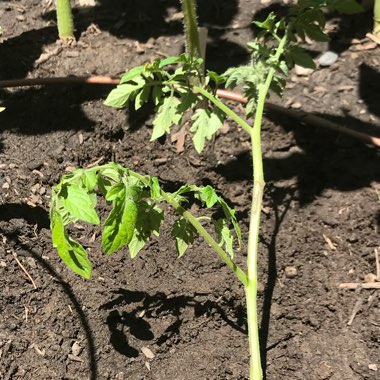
{"x": 176, "y": 86}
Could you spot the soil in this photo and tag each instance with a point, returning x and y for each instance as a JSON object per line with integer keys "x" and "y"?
{"x": 157, "y": 316}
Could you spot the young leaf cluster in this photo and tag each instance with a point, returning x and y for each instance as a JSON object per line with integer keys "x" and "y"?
{"x": 168, "y": 83}
{"x": 135, "y": 213}
{"x": 306, "y": 19}
{"x": 264, "y": 58}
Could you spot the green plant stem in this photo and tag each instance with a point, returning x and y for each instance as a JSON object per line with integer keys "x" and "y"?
{"x": 376, "y": 17}
{"x": 191, "y": 28}
{"x": 65, "y": 19}
{"x": 202, "y": 231}
{"x": 255, "y": 371}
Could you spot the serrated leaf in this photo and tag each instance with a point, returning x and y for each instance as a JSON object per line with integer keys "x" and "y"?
{"x": 168, "y": 61}
{"x": 315, "y": 33}
{"x": 142, "y": 97}
{"x": 225, "y": 238}
{"x": 300, "y": 57}
{"x": 184, "y": 234}
{"x": 215, "y": 77}
{"x": 148, "y": 222}
{"x": 207, "y": 195}
{"x": 115, "y": 191}
{"x": 111, "y": 173}
{"x": 79, "y": 204}
{"x": 119, "y": 225}
{"x": 188, "y": 100}
{"x": 89, "y": 179}
{"x": 230, "y": 213}
{"x": 104, "y": 184}
{"x": 205, "y": 125}
{"x": 69, "y": 250}
{"x": 155, "y": 189}
{"x": 177, "y": 196}
{"x": 120, "y": 96}
{"x": 167, "y": 115}
{"x": 345, "y": 6}
{"x": 132, "y": 73}
{"x": 157, "y": 95}
{"x": 268, "y": 23}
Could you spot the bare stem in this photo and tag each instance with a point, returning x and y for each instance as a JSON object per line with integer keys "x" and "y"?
{"x": 65, "y": 20}
{"x": 191, "y": 27}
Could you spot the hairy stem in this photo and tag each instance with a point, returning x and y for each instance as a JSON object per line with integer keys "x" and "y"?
{"x": 65, "y": 19}
{"x": 191, "y": 28}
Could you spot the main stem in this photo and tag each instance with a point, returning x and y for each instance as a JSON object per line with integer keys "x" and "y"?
{"x": 376, "y": 18}
{"x": 255, "y": 370}
{"x": 191, "y": 28}
{"x": 65, "y": 20}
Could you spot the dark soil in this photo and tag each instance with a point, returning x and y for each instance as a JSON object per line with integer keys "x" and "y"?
{"x": 321, "y": 213}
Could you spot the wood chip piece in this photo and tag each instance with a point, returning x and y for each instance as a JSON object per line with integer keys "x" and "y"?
{"x": 331, "y": 245}
{"x": 147, "y": 352}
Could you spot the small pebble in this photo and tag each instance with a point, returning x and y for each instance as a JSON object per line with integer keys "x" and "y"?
{"x": 291, "y": 272}
{"x": 372, "y": 367}
{"x": 327, "y": 58}
{"x": 324, "y": 371}
{"x": 302, "y": 71}
{"x": 76, "y": 349}
{"x": 370, "y": 277}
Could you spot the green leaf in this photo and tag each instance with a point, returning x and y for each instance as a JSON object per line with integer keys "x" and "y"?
{"x": 155, "y": 189}
{"x": 184, "y": 234}
{"x": 142, "y": 97}
{"x": 104, "y": 184}
{"x": 2, "y": 109}
{"x": 112, "y": 173}
{"x": 157, "y": 95}
{"x": 132, "y": 73}
{"x": 177, "y": 196}
{"x": 168, "y": 61}
{"x": 89, "y": 179}
{"x": 120, "y": 96}
{"x": 69, "y": 250}
{"x": 205, "y": 125}
{"x": 207, "y": 195}
{"x": 215, "y": 77}
{"x": 345, "y": 6}
{"x": 225, "y": 237}
{"x": 315, "y": 33}
{"x": 78, "y": 202}
{"x": 230, "y": 213}
{"x": 115, "y": 191}
{"x": 167, "y": 115}
{"x": 188, "y": 100}
{"x": 119, "y": 225}
{"x": 300, "y": 57}
{"x": 269, "y": 22}
{"x": 148, "y": 222}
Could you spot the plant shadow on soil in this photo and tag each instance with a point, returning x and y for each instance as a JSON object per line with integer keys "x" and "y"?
{"x": 77, "y": 307}
{"x": 153, "y": 305}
